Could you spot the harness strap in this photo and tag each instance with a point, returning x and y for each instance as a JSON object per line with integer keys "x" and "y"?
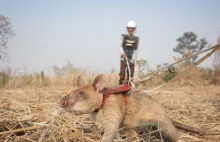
{"x": 109, "y": 91}
{"x": 121, "y": 89}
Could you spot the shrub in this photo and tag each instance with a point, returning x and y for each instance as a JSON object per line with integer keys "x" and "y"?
{"x": 4, "y": 78}
{"x": 168, "y": 76}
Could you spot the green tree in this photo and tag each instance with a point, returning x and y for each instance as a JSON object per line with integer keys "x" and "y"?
{"x": 190, "y": 44}
{"x": 143, "y": 67}
{"x": 5, "y": 33}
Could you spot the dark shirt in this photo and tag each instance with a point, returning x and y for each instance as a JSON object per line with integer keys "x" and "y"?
{"x": 129, "y": 44}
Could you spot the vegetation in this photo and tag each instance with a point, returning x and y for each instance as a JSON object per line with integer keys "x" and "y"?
{"x": 168, "y": 76}
{"x": 35, "y": 110}
{"x": 4, "y": 78}
{"x": 5, "y": 33}
{"x": 190, "y": 44}
{"x": 143, "y": 67}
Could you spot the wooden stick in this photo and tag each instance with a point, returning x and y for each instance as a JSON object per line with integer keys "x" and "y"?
{"x": 20, "y": 130}
{"x": 199, "y": 131}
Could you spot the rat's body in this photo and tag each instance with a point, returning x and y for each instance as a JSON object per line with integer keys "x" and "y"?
{"x": 137, "y": 113}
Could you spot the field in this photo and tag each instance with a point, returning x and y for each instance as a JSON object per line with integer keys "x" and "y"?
{"x": 33, "y": 114}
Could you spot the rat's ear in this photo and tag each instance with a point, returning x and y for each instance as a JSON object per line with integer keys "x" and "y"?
{"x": 100, "y": 82}
{"x": 80, "y": 82}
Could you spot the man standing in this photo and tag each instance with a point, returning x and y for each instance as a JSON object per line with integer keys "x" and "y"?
{"x": 128, "y": 51}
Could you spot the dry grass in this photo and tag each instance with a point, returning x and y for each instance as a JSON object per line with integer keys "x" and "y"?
{"x": 196, "y": 103}
{"x": 37, "y": 108}
{"x": 194, "y": 106}
{"x": 33, "y": 81}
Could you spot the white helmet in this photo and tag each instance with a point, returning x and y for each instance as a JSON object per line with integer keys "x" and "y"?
{"x": 131, "y": 24}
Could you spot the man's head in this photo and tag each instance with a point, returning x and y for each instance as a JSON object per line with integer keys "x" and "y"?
{"x": 131, "y": 27}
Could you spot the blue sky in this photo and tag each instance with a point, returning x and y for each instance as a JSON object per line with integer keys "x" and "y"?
{"x": 87, "y": 33}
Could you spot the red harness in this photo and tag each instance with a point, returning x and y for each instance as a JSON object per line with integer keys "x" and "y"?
{"x": 119, "y": 89}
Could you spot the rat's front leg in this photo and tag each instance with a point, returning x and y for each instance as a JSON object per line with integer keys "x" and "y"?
{"x": 112, "y": 120}
{"x": 110, "y": 132}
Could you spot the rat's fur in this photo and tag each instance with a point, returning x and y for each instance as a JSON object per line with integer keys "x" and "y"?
{"x": 139, "y": 111}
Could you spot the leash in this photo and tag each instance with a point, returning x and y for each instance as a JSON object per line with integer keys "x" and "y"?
{"x": 130, "y": 85}
{"x": 128, "y": 68}
{"x": 170, "y": 68}
{"x": 129, "y": 76}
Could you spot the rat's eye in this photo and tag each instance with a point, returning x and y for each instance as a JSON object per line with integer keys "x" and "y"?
{"x": 81, "y": 93}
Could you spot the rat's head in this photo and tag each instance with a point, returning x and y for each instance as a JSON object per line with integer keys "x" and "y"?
{"x": 85, "y": 99}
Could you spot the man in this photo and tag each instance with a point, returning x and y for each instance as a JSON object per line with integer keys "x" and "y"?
{"x": 128, "y": 51}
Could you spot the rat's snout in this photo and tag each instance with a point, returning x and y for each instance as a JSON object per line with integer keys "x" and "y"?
{"x": 63, "y": 103}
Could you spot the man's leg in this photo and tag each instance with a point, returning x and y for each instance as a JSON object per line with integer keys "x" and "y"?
{"x": 131, "y": 65}
{"x": 122, "y": 72}
{"x": 132, "y": 69}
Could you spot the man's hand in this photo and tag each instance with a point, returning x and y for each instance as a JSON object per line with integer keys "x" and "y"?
{"x": 124, "y": 56}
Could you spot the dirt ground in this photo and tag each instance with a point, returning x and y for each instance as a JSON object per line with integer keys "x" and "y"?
{"x": 36, "y": 111}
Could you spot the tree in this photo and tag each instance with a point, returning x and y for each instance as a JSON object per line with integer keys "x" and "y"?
{"x": 142, "y": 67}
{"x": 190, "y": 44}
{"x": 5, "y": 33}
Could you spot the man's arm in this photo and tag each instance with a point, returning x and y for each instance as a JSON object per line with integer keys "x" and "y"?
{"x": 121, "y": 48}
{"x": 136, "y": 43}
{"x": 136, "y": 50}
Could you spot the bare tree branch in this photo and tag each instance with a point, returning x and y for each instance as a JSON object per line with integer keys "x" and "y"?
{"x": 5, "y": 33}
